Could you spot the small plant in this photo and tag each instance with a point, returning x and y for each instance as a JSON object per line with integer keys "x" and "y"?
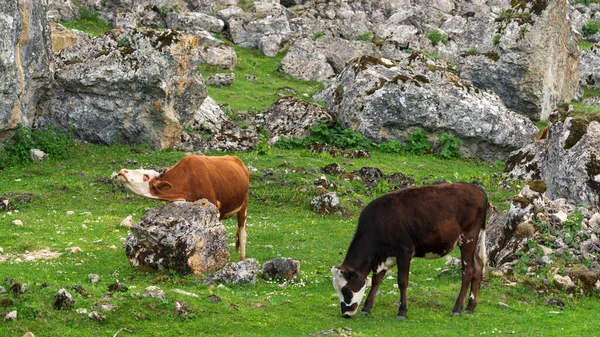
{"x": 590, "y": 28}
{"x": 435, "y": 36}
{"x": 496, "y": 39}
{"x": 164, "y": 10}
{"x": 449, "y": 146}
{"x": 392, "y": 146}
{"x": 418, "y": 142}
{"x": 123, "y": 43}
{"x": 317, "y": 35}
{"x": 365, "y": 37}
{"x": 54, "y": 142}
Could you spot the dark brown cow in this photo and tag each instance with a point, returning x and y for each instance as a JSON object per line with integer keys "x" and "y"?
{"x": 425, "y": 221}
{"x": 224, "y": 181}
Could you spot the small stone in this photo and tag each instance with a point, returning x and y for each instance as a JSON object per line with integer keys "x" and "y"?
{"x": 106, "y": 307}
{"x": 11, "y": 316}
{"x": 18, "y": 222}
{"x": 70, "y": 212}
{"x": 545, "y": 260}
{"x": 181, "y": 309}
{"x": 82, "y": 311}
{"x": 504, "y": 305}
{"x": 37, "y": 155}
{"x": 127, "y": 222}
{"x": 75, "y": 250}
{"x": 562, "y": 216}
{"x": 29, "y": 334}
{"x": 63, "y": 300}
{"x": 97, "y": 316}
{"x": 94, "y": 278}
{"x": 154, "y": 292}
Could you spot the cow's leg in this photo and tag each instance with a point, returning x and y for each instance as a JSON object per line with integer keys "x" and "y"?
{"x": 403, "y": 263}
{"x": 375, "y": 282}
{"x": 480, "y": 261}
{"x": 467, "y": 257}
{"x": 242, "y": 231}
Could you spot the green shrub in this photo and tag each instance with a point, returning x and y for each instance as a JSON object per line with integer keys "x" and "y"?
{"x": 418, "y": 142}
{"x": 449, "y": 146}
{"x": 590, "y": 28}
{"x": 392, "y": 146}
{"x": 435, "y": 36}
{"x": 327, "y": 133}
{"x": 54, "y": 142}
{"x": 496, "y": 39}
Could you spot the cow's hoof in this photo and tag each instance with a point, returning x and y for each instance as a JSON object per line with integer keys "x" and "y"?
{"x": 455, "y": 314}
{"x": 469, "y": 311}
{"x": 365, "y": 313}
{"x": 400, "y": 318}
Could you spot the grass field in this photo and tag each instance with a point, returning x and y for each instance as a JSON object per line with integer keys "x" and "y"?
{"x": 281, "y": 225}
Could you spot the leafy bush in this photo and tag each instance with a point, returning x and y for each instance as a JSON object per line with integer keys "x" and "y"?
{"x": 496, "y": 39}
{"x": 50, "y": 140}
{"x": 365, "y": 37}
{"x": 418, "y": 142}
{"x": 392, "y": 146}
{"x": 590, "y": 28}
{"x": 435, "y": 36}
{"x": 327, "y": 133}
{"x": 449, "y": 146}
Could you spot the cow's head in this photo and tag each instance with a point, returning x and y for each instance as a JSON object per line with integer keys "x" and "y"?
{"x": 138, "y": 181}
{"x": 350, "y": 289}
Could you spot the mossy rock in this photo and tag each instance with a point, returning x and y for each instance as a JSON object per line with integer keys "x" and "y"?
{"x": 576, "y": 131}
{"x": 538, "y": 186}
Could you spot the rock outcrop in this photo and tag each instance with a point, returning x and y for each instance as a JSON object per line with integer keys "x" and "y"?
{"x": 181, "y": 236}
{"x": 131, "y": 86}
{"x": 291, "y": 117}
{"x": 534, "y": 65}
{"x": 568, "y": 161}
{"x": 385, "y": 100}
{"x": 25, "y": 62}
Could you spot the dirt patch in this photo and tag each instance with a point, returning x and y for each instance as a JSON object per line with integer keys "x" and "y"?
{"x": 42, "y": 254}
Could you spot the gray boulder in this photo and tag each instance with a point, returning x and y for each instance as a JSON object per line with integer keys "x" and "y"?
{"x": 246, "y": 29}
{"x": 568, "y": 161}
{"x": 192, "y": 22}
{"x": 181, "y": 236}
{"x": 321, "y": 59}
{"x": 131, "y": 86}
{"x": 62, "y": 10}
{"x": 291, "y": 117}
{"x": 385, "y": 100}
{"x": 534, "y": 67}
{"x": 325, "y": 203}
{"x": 25, "y": 57}
{"x": 281, "y": 269}
{"x": 242, "y": 272}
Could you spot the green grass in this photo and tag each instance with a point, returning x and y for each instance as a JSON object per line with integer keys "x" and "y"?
{"x": 280, "y": 225}
{"x": 90, "y": 23}
{"x": 258, "y": 82}
{"x": 585, "y": 44}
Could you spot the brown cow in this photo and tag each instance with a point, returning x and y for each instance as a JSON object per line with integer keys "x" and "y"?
{"x": 425, "y": 221}
{"x": 224, "y": 181}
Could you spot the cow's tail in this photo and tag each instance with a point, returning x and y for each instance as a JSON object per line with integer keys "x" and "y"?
{"x": 481, "y": 251}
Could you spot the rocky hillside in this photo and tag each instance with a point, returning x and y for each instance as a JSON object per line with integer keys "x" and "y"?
{"x": 482, "y": 71}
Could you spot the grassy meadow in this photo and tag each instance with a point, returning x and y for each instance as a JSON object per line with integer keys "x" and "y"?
{"x": 73, "y": 202}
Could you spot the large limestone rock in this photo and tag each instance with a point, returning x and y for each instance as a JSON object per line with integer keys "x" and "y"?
{"x": 589, "y": 67}
{"x": 291, "y": 117}
{"x": 132, "y": 86}
{"x": 534, "y": 66}
{"x": 385, "y": 100}
{"x": 319, "y": 60}
{"x": 63, "y": 37}
{"x": 191, "y": 22}
{"x": 568, "y": 161}
{"x": 25, "y": 58}
{"x": 182, "y": 236}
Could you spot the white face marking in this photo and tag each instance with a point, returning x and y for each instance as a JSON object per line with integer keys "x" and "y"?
{"x": 339, "y": 282}
{"x": 387, "y": 265}
{"x": 136, "y": 181}
{"x": 431, "y": 256}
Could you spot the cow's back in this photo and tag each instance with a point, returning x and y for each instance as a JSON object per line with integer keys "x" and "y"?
{"x": 409, "y": 216}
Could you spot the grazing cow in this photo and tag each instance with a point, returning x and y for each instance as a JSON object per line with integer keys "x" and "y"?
{"x": 425, "y": 221}
{"x": 224, "y": 181}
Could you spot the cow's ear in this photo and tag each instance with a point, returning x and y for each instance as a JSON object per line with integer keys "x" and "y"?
{"x": 163, "y": 186}
{"x": 349, "y": 274}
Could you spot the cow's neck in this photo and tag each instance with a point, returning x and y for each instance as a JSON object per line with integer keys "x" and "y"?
{"x": 361, "y": 256}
